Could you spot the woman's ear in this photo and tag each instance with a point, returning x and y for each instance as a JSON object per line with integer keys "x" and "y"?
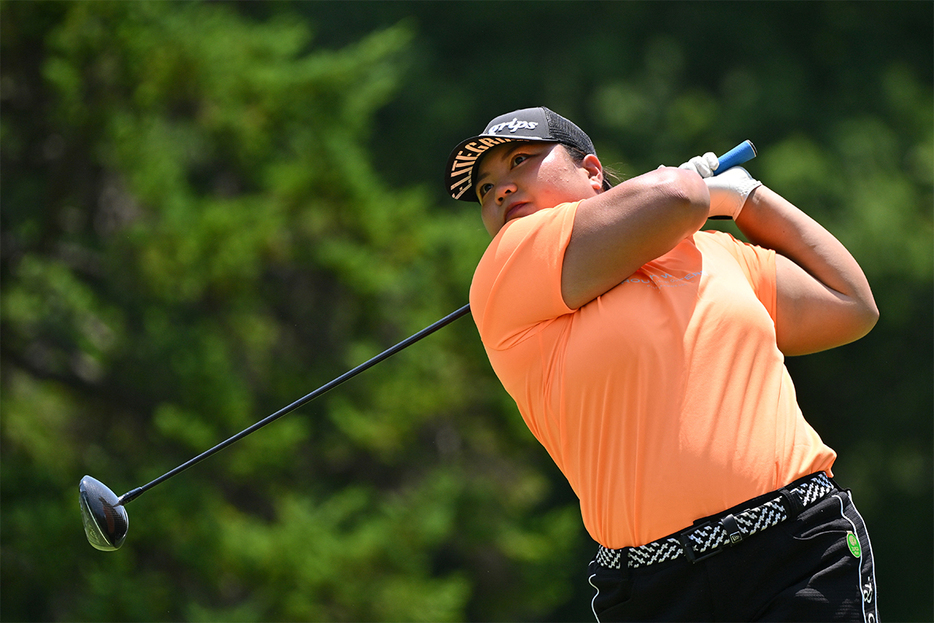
{"x": 594, "y": 170}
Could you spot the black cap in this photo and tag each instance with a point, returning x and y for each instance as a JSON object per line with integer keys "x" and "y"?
{"x": 528, "y": 124}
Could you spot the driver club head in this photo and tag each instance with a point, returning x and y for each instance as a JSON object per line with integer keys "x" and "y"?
{"x": 105, "y": 520}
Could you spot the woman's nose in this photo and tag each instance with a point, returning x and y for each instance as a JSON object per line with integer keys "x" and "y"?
{"x": 504, "y": 191}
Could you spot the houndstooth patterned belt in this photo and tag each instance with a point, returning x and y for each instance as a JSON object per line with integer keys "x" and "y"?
{"x": 705, "y": 540}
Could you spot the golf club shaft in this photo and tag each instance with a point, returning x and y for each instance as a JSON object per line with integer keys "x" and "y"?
{"x": 135, "y": 493}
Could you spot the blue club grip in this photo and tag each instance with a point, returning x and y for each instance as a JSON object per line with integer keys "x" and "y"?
{"x": 743, "y": 152}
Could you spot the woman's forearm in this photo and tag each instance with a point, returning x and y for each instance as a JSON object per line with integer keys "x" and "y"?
{"x": 838, "y": 307}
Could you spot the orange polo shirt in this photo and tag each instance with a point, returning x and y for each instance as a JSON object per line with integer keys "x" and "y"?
{"x": 662, "y": 401}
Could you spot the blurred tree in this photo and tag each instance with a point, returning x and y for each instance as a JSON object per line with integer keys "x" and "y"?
{"x": 193, "y": 236}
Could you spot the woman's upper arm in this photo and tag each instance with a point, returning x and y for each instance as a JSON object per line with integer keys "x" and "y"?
{"x": 619, "y": 230}
{"x": 811, "y": 317}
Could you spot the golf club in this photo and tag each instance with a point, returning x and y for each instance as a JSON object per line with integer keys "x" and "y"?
{"x": 105, "y": 519}
{"x": 104, "y": 514}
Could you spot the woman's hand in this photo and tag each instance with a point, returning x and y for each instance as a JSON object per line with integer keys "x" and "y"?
{"x": 728, "y": 190}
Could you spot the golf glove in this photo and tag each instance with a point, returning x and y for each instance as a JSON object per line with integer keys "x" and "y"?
{"x": 729, "y": 191}
{"x": 702, "y": 165}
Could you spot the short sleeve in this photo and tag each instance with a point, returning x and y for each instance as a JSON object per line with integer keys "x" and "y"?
{"x": 517, "y": 285}
{"x": 757, "y": 264}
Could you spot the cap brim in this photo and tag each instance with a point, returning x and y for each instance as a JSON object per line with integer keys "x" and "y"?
{"x": 464, "y": 159}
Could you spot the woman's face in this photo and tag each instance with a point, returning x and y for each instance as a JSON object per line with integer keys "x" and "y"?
{"x": 518, "y": 179}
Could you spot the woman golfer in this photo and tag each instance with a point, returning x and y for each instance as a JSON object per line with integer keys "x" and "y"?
{"x": 647, "y": 358}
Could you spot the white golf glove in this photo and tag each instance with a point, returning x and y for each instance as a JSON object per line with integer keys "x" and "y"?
{"x": 729, "y": 191}
{"x": 702, "y": 165}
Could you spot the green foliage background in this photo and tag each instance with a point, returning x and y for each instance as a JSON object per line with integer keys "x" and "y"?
{"x": 210, "y": 209}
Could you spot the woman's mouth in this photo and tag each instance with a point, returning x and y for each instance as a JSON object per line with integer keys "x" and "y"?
{"x": 515, "y": 211}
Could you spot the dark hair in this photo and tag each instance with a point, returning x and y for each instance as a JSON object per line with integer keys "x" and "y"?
{"x": 610, "y": 176}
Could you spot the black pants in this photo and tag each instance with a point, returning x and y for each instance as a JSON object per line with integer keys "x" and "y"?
{"x": 803, "y": 569}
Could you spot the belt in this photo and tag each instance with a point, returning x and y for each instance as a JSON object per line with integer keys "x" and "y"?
{"x": 709, "y": 538}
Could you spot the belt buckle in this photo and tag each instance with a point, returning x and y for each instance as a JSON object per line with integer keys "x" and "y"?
{"x": 689, "y": 552}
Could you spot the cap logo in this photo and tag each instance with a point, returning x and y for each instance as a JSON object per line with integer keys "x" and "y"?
{"x": 512, "y": 126}
{"x": 462, "y": 167}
